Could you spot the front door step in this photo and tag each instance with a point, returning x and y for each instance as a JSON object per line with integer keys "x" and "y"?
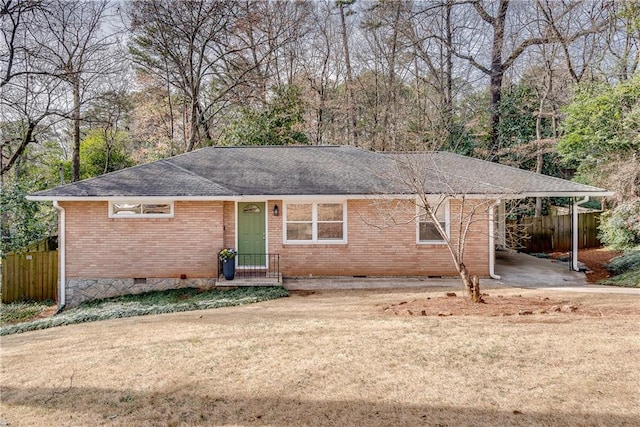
{"x": 249, "y": 281}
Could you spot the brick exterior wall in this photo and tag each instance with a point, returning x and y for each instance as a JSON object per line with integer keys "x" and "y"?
{"x": 229, "y": 240}
{"x": 378, "y": 246}
{"x": 101, "y": 247}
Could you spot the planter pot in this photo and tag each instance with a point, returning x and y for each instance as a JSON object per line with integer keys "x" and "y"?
{"x": 229, "y": 269}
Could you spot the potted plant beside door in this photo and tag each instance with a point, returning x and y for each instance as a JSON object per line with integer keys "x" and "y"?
{"x": 227, "y": 256}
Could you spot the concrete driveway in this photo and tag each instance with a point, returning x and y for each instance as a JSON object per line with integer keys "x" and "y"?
{"x": 525, "y": 271}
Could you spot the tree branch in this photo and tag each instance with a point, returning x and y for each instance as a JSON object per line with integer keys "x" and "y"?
{"x": 483, "y": 13}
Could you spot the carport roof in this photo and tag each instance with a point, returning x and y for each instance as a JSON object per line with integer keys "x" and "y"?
{"x": 235, "y": 172}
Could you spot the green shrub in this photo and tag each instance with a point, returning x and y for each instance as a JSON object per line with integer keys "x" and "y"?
{"x": 620, "y": 228}
{"x": 626, "y": 268}
{"x": 630, "y": 279}
{"x": 628, "y": 261}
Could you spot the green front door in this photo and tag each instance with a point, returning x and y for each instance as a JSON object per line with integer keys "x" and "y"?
{"x": 251, "y": 234}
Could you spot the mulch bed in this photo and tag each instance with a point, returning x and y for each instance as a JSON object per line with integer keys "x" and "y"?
{"x": 595, "y": 259}
{"x": 494, "y": 305}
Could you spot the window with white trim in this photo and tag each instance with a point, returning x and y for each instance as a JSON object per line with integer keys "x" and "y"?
{"x": 135, "y": 209}
{"x": 317, "y": 222}
{"x": 427, "y": 230}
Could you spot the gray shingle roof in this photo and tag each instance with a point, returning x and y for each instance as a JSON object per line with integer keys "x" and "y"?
{"x": 466, "y": 175}
{"x": 312, "y": 170}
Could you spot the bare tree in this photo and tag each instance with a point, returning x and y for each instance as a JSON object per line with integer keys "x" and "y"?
{"x": 417, "y": 172}
{"x": 16, "y": 16}
{"x": 512, "y": 34}
{"x": 320, "y": 69}
{"x": 268, "y": 37}
{"x": 623, "y": 39}
{"x": 73, "y": 46}
{"x": 215, "y": 54}
{"x": 29, "y": 92}
{"x": 154, "y": 121}
{"x": 186, "y": 45}
{"x": 28, "y": 109}
{"x": 576, "y": 29}
{"x": 437, "y": 80}
{"x": 383, "y": 25}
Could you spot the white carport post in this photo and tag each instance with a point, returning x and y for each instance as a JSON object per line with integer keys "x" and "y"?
{"x": 501, "y": 225}
{"x": 574, "y": 229}
{"x": 492, "y": 240}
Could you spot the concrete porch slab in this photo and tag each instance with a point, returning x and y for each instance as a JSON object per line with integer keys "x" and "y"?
{"x": 249, "y": 281}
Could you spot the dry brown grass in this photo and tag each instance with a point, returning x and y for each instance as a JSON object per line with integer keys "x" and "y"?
{"x": 332, "y": 358}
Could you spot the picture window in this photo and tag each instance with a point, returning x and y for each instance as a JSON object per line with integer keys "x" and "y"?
{"x": 315, "y": 222}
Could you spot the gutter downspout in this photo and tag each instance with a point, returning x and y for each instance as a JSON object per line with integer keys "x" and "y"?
{"x": 574, "y": 229}
{"x": 62, "y": 256}
{"x": 492, "y": 242}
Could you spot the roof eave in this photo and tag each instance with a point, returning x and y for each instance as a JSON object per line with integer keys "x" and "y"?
{"x": 217, "y": 198}
{"x": 109, "y": 198}
{"x": 598, "y": 193}
{"x": 315, "y": 196}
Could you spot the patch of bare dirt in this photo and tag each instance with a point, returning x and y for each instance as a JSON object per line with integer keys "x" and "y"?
{"x": 494, "y": 305}
{"x": 595, "y": 259}
{"x": 50, "y": 311}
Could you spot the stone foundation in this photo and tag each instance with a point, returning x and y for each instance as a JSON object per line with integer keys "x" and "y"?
{"x": 81, "y": 290}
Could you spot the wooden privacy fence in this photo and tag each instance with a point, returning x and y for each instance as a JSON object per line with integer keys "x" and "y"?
{"x": 30, "y": 275}
{"x": 553, "y": 233}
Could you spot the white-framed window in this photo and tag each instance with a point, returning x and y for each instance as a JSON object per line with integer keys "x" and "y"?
{"x": 315, "y": 222}
{"x": 427, "y": 231}
{"x": 138, "y": 209}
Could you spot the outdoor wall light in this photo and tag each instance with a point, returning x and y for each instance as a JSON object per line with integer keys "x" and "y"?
{"x": 276, "y": 211}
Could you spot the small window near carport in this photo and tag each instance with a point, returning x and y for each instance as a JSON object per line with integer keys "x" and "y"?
{"x": 427, "y": 229}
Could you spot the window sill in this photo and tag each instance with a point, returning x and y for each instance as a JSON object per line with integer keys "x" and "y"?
{"x": 140, "y": 218}
{"x": 313, "y": 244}
{"x": 431, "y": 243}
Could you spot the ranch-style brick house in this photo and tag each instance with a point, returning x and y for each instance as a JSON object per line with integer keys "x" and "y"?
{"x": 296, "y": 210}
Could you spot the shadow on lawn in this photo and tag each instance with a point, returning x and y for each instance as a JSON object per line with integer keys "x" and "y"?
{"x": 78, "y": 406}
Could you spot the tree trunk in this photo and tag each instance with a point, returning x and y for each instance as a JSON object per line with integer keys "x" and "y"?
{"x": 76, "y": 129}
{"x": 171, "y": 119}
{"x": 15, "y": 157}
{"x": 539, "y": 155}
{"x": 539, "y": 148}
{"x": 353, "y": 121}
{"x": 448, "y": 92}
{"x": 195, "y": 127}
{"x": 471, "y": 284}
{"x": 497, "y": 73}
{"x": 387, "y": 129}
{"x": 107, "y": 159}
{"x": 320, "y": 117}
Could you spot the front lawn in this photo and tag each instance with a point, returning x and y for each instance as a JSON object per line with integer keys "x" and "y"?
{"x": 159, "y": 302}
{"x": 335, "y": 358}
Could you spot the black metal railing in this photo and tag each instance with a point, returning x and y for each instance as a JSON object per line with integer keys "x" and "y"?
{"x": 265, "y": 266}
